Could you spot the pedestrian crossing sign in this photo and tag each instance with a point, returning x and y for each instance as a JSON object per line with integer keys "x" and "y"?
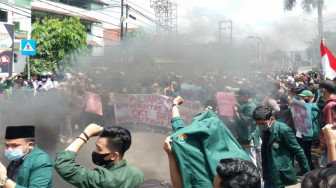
{"x": 28, "y": 47}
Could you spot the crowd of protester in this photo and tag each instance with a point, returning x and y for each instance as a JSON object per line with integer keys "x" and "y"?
{"x": 261, "y": 128}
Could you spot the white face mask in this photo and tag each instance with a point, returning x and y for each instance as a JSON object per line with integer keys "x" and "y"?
{"x": 15, "y": 154}
{"x": 265, "y": 127}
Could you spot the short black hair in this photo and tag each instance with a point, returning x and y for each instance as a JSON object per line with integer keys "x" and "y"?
{"x": 327, "y": 177}
{"x": 118, "y": 139}
{"x": 298, "y": 90}
{"x": 19, "y": 82}
{"x": 262, "y": 113}
{"x": 310, "y": 179}
{"x": 243, "y": 92}
{"x": 238, "y": 173}
{"x": 328, "y": 85}
{"x": 212, "y": 103}
{"x": 32, "y": 139}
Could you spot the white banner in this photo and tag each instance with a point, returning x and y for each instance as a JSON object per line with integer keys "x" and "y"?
{"x": 151, "y": 109}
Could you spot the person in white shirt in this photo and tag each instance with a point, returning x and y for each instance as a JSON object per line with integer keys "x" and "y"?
{"x": 44, "y": 84}
{"x": 34, "y": 82}
{"x": 53, "y": 81}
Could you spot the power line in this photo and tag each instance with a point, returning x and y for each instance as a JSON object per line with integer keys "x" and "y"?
{"x": 141, "y": 8}
{"x": 140, "y": 13}
{"x": 16, "y": 12}
{"x": 87, "y": 34}
{"x": 64, "y": 9}
{"x": 73, "y": 11}
{"x": 76, "y": 12}
{"x": 145, "y": 16}
{"x": 181, "y": 30}
{"x": 15, "y": 7}
{"x": 97, "y": 9}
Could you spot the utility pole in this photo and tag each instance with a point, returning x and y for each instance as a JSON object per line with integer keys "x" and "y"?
{"x": 220, "y": 32}
{"x": 122, "y": 20}
{"x": 127, "y": 7}
{"x": 231, "y": 32}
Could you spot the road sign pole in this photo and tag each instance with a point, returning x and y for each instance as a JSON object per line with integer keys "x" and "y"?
{"x": 28, "y": 48}
{"x": 28, "y": 67}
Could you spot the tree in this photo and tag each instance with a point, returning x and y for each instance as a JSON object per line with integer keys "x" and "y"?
{"x": 308, "y": 6}
{"x": 60, "y": 45}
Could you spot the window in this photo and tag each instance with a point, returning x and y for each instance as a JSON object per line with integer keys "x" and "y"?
{"x": 3, "y": 16}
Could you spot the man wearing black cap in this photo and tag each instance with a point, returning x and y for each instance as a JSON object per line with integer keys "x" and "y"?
{"x": 246, "y": 128}
{"x": 328, "y": 90}
{"x": 30, "y": 166}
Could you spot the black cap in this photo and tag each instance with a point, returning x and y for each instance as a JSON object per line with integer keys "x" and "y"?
{"x": 24, "y": 131}
{"x": 328, "y": 85}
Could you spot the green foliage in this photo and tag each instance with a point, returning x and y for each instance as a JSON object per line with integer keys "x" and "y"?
{"x": 307, "y": 5}
{"x": 289, "y": 4}
{"x": 60, "y": 45}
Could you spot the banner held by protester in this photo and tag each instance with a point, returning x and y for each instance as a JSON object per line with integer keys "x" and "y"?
{"x": 94, "y": 104}
{"x": 151, "y": 109}
{"x": 225, "y": 102}
{"x": 302, "y": 119}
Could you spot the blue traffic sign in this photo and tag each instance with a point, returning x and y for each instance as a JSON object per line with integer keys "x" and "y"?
{"x": 28, "y": 47}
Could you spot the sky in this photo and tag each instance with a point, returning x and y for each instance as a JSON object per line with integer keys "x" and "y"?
{"x": 265, "y": 19}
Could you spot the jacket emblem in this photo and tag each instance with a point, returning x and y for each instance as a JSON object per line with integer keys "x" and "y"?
{"x": 275, "y": 145}
{"x": 182, "y": 138}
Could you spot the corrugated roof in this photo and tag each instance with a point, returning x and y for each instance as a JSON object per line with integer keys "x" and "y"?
{"x": 92, "y": 43}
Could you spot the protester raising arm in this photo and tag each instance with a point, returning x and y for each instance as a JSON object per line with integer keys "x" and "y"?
{"x": 175, "y": 173}
{"x": 330, "y": 136}
{"x": 90, "y": 131}
{"x": 113, "y": 170}
{"x": 175, "y": 108}
{"x": 176, "y": 120}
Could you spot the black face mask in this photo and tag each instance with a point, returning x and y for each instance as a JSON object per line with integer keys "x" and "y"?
{"x": 306, "y": 100}
{"x": 98, "y": 159}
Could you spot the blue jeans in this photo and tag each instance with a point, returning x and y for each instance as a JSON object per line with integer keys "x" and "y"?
{"x": 324, "y": 158}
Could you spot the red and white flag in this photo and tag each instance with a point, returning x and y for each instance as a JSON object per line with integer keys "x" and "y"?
{"x": 328, "y": 62}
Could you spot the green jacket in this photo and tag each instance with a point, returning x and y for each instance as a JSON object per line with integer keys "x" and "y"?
{"x": 316, "y": 117}
{"x": 118, "y": 175}
{"x": 35, "y": 171}
{"x": 246, "y": 128}
{"x": 199, "y": 147}
{"x": 278, "y": 151}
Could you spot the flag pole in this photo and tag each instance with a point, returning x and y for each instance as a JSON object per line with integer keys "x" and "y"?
{"x": 322, "y": 41}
